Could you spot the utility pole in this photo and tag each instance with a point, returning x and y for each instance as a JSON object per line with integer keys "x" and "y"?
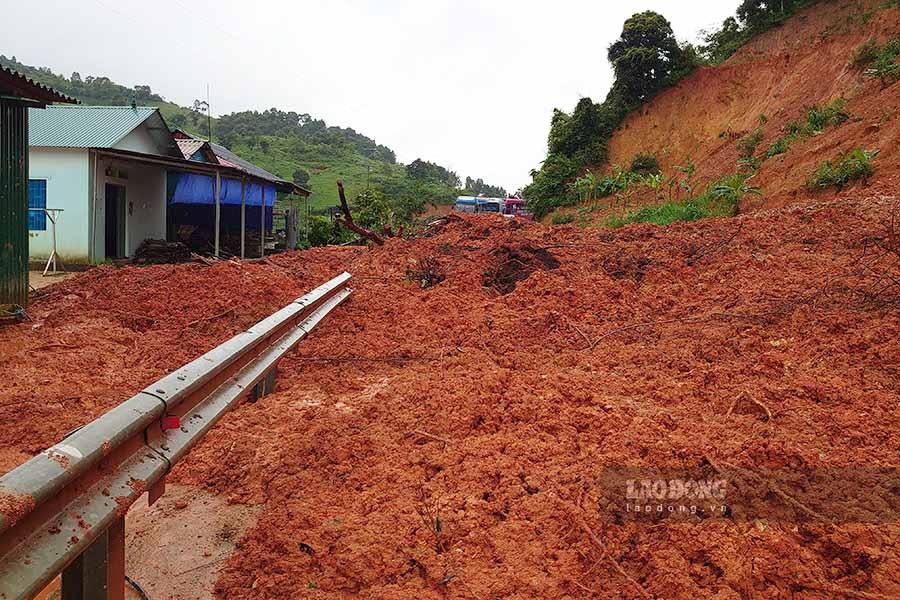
{"x": 208, "y": 117}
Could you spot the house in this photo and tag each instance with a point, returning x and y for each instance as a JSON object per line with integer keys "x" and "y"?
{"x": 18, "y": 95}
{"x": 94, "y": 164}
{"x": 247, "y": 197}
{"x": 117, "y": 175}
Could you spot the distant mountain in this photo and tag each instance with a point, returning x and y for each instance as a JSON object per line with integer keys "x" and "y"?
{"x": 294, "y": 146}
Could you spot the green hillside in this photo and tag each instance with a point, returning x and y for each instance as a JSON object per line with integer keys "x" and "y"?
{"x": 296, "y": 147}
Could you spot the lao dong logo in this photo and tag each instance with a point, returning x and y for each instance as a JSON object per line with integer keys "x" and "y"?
{"x": 676, "y": 496}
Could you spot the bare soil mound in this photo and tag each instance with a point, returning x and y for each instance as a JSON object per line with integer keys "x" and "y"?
{"x": 448, "y": 440}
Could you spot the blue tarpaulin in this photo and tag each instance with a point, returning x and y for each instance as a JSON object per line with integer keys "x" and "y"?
{"x": 193, "y": 189}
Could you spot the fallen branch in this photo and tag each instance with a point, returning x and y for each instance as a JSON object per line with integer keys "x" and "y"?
{"x": 613, "y": 561}
{"x": 714, "y": 248}
{"x": 201, "y": 259}
{"x": 347, "y": 220}
{"x": 431, "y": 436}
{"x": 746, "y": 395}
{"x": 212, "y": 318}
{"x": 580, "y": 332}
{"x": 683, "y": 320}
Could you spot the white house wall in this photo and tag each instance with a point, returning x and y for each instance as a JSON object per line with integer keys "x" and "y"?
{"x": 139, "y": 140}
{"x": 68, "y": 187}
{"x": 145, "y": 202}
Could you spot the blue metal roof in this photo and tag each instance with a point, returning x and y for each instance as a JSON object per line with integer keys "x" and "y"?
{"x": 84, "y": 126}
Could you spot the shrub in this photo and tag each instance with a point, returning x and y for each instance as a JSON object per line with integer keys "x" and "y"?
{"x": 559, "y": 218}
{"x": 884, "y": 63}
{"x": 747, "y": 145}
{"x": 549, "y": 183}
{"x": 541, "y": 207}
{"x": 865, "y": 54}
{"x": 781, "y": 145}
{"x": 818, "y": 119}
{"x": 850, "y": 166}
{"x": 644, "y": 163}
{"x": 727, "y": 193}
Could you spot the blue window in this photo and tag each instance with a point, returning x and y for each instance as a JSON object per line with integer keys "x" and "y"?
{"x": 37, "y": 198}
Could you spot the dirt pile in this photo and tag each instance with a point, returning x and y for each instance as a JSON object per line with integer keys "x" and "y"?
{"x": 768, "y": 83}
{"x": 449, "y": 440}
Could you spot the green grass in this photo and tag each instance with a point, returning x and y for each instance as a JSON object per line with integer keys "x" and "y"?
{"x": 850, "y": 166}
{"x": 662, "y": 214}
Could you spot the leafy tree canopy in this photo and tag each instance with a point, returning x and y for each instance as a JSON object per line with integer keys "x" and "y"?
{"x": 422, "y": 170}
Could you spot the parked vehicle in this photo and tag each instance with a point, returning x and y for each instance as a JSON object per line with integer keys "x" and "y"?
{"x": 508, "y": 207}
{"x": 474, "y": 204}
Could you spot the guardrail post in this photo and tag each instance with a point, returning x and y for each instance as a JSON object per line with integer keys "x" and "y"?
{"x": 266, "y": 386}
{"x": 99, "y": 573}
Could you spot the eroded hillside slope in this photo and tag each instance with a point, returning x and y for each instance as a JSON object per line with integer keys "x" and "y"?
{"x": 766, "y": 85}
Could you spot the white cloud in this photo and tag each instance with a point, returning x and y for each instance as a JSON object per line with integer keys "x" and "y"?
{"x": 467, "y": 84}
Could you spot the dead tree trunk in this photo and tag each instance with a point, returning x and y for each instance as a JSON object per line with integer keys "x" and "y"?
{"x": 347, "y": 220}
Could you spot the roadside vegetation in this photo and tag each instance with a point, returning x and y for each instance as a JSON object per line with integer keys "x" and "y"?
{"x": 721, "y": 199}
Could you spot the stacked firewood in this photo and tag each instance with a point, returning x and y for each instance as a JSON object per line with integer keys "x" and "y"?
{"x": 154, "y": 252}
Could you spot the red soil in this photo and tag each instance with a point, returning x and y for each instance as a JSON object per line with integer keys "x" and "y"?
{"x": 495, "y": 414}
{"x": 781, "y": 73}
{"x": 14, "y": 506}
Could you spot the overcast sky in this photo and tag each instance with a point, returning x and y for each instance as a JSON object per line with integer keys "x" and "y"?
{"x": 468, "y": 84}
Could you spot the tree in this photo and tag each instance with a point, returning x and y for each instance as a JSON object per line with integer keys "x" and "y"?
{"x": 301, "y": 177}
{"x": 76, "y": 77}
{"x": 645, "y": 57}
{"x": 579, "y": 136}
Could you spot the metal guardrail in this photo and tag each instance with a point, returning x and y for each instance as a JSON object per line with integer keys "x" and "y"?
{"x": 63, "y": 511}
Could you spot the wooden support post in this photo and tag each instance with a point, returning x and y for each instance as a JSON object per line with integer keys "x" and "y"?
{"x": 262, "y": 222}
{"x": 218, "y": 210}
{"x": 243, "y": 213}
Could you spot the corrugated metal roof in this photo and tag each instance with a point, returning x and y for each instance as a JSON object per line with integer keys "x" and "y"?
{"x": 84, "y": 126}
{"x": 227, "y": 156}
{"x": 13, "y": 83}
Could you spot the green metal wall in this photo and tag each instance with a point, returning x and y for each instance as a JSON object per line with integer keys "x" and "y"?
{"x": 13, "y": 203}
